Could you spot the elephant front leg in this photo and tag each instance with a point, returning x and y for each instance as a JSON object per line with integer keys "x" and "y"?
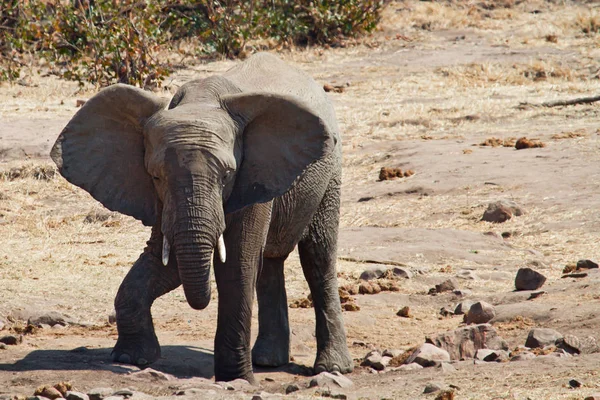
{"x": 148, "y": 279}
{"x": 245, "y": 238}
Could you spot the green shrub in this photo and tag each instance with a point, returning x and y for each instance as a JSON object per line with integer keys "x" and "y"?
{"x": 108, "y": 41}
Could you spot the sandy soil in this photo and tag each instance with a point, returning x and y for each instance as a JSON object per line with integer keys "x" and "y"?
{"x": 436, "y": 81}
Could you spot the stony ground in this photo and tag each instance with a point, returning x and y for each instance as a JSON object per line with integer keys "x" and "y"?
{"x": 443, "y": 89}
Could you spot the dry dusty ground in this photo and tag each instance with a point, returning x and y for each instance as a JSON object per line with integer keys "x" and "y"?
{"x": 438, "y": 79}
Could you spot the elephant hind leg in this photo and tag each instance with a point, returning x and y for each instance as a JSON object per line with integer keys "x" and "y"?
{"x": 318, "y": 252}
{"x": 147, "y": 280}
{"x": 272, "y": 346}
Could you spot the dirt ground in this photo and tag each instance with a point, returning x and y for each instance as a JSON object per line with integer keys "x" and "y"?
{"x": 422, "y": 93}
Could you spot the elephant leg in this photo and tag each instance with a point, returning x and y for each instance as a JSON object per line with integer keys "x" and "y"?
{"x": 317, "y": 251}
{"x": 245, "y": 238}
{"x": 272, "y": 346}
{"x": 147, "y": 280}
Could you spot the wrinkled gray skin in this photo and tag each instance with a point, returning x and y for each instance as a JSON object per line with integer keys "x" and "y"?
{"x": 254, "y": 155}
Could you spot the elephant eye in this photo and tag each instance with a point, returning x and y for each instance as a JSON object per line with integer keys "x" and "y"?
{"x": 227, "y": 176}
{"x": 156, "y": 178}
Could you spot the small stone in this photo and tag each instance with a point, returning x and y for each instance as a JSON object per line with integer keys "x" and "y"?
{"x": 464, "y": 342}
{"x": 401, "y": 273}
{"x": 404, "y": 312}
{"x": 329, "y": 379}
{"x": 428, "y": 355}
{"x": 542, "y": 337}
{"x": 446, "y": 286}
{"x": 535, "y": 295}
{"x": 480, "y": 313}
{"x": 372, "y": 273}
{"x": 595, "y": 396}
{"x": 575, "y": 384}
{"x": 409, "y": 367}
{"x": 497, "y": 213}
{"x": 445, "y": 367}
{"x": 375, "y": 360}
{"x": 586, "y": 264}
{"x": 467, "y": 274}
{"x": 123, "y": 392}
{"x": 70, "y": 395}
{"x": 3, "y": 346}
{"x": 291, "y": 388}
{"x": 392, "y": 353}
{"x": 463, "y": 307}
{"x": 100, "y": 393}
{"x": 48, "y": 392}
{"x": 11, "y": 340}
{"x": 461, "y": 292}
{"x": 433, "y": 387}
{"x": 446, "y": 312}
{"x": 528, "y": 279}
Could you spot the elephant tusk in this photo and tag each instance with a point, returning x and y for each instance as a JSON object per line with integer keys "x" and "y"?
{"x": 221, "y": 249}
{"x": 165, "y": 251}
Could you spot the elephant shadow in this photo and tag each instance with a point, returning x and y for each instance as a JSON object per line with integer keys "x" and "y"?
{"x": 179, "y": 361}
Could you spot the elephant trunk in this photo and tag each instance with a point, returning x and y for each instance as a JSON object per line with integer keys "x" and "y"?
{"x": 193, "y": 251}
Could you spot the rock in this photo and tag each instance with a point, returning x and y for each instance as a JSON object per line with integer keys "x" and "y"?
{"x": 446, "y": 312}
{"x": 11, "y": 340}
{"x": 573, "y": 345}
{"x": 398, "y": 272}
{"x": 392, "y": 353}
{"x": 372, "y": 273}
{"x": 409, "y": 367}
{"x": 151, "y": 374}
{"x": 535, "y": 295}
{"x": 480, "y": 313}
{"x": 463, "y": 343}
{"x": 595, "y": 396}
{"x": 49, "y": 318}
{"x": 528, "y": 279}
{"x": 123, "y": 392}
{"x": 523, "y": 356}
{"x": 501, "y": 211}
{"x": 100, "y": 393}
{"x": 488, "y": 355}
{"x": 291, "y": 388}
{"x": 427, "y": 355}
{"x": 371, "y": 358}
{"x": 446, "y": 286}
{"x": 404, "y": 312}
{"x": 445, "y": 367}
{"x": 48, "y": 392}
{"x": 586, "y": 264}
{"x": 461, "y": 292}
{"x": 542, "y": 337}
{"x": 433, "y": 387}
{"x": 445, "y": 395}
{"x": 575, "y": 384}
{"x": 463, "y": 307}
{"x": 3, "y": 346}
{"x": 330, "y": 379}
{"x": 467, "y": 274}
{"x": 76, "y": 396}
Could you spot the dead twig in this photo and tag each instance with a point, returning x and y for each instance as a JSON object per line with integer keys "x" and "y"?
{"x": 558, "y": 103}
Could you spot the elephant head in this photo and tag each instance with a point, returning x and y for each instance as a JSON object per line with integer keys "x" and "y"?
{"x": 213, "y": 151}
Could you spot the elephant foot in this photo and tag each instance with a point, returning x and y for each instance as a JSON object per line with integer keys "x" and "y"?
{"x": 331, "y": 360}
{"x": 136, "y": 350}
{"x": 271, "y": 352}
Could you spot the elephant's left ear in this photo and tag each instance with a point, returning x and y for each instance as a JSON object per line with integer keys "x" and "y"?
{"x": 282, "y": 137}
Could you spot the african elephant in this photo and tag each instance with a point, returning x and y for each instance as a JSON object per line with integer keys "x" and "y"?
{"x": 246, "y": 165}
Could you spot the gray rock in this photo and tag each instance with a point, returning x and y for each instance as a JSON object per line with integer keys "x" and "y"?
{"x": 401, "y": 273}
{"x": 392, "y": 352}
{"x": 446, "y": 286}
{"x": 433, "y": 387}
{"x": 542, "y": 337}
{"x": 489, "y": 355}
{"x": 461, "y": 292}
{"x": 409, "y": 367}
{"x": 100, "y": 393}
{"x": 480, "y": 313}
{"x": 11, "y": 340}
{"x": 291, "y": 388}
{"x": 467, "y": 274}
{"x": 151, "y": 374}
{"x": 71, "y": 395}
{"x": 501, "y": 211}
{"x": 573, "y": 345}
{"x": 330, "y": 379}
{"x": 446, "y": 312}
{"x": 124, "y": 393}
{"x": 371, "y": 359}
{"x": 49, "y": 318}
{"x": 464, "y": 342}
{"x": 586, "y": 264}
{"x": 372, "y": 273}
{"x": 445, "y": 367}
{"x": 523, "y": 356}
{"x": 463, "y": 307}
{"x": 427, "y": 355}
{"x": 528, "y": 279}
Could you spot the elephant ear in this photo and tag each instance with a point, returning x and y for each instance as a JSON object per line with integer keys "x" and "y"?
{"x": 101, "y": 150}
{"x": 281, "y": 138}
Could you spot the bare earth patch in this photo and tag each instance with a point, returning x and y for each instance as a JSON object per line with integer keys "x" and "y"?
{"x": 423, "y": 94}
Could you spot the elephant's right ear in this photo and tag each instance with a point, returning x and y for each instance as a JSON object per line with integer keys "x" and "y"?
{"x": 101, "y": 150}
